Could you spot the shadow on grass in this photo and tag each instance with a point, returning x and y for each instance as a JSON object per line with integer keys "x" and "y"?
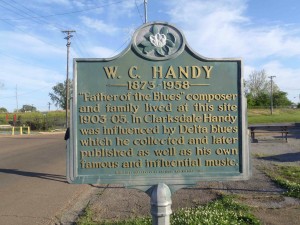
{"x": 287, "y": 157}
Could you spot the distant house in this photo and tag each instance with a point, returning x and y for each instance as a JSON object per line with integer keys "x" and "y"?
{"x": 293, "y": 106}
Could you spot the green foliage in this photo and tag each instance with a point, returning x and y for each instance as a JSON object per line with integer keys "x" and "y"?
{"x": 222, "y": 212}
{"x": 28, "y": 108}
{"x": 86, "y": 218}
{"x": 3, "y": 110}
{"x": 260, "y": 100}
{"x": 287, "y": 177}
{"x": 263, "y": 99}
{"x": 138, "y": 221}
{"x": 280, "y": 99}
{"x": 58, "y": 96}
{"x": 37, "y": 120}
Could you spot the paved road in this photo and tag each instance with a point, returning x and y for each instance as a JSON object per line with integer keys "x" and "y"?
{"x": 33, "y": 187}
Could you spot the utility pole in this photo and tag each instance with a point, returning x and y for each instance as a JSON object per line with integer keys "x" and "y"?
{"x": 145, "y": 10}
{"x": 68, "y": 37}
{"x": 17, "y": 98}
{"x": 271, "y": 95}
{"x": 49, "y": 106}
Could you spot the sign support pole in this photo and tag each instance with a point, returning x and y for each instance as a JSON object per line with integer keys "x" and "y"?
{"x": 161, "y": 202}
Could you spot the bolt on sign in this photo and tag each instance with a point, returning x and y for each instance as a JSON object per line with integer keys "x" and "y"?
{"x": 158, "y": 113}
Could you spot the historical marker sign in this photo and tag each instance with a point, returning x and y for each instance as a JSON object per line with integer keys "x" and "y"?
{"x": 158, "y": 113}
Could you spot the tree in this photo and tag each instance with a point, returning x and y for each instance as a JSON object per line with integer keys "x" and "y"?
{"x": 58, "y": 96}
{"x": 262, "y": 100}
{"x": 258, "y": 91}
{"x": 3, "y": 110}
{"x": 258, "y": 83}
{"x": 280, "y": 99}
{"x": 28, "y": 108}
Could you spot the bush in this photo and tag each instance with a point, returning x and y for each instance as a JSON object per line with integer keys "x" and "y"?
{"x": 37, "y": 120}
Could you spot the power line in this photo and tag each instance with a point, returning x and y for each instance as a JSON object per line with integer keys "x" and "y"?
{"x": 17, "y": 98}
{"x": 25, "y": 32}
{"x": 40, "y": 19}
{"x": 25, "y": 93}
{"x": 22, "y": 30}
{"x": 124, "y": 43}
{"x": 9, "y": 9}
{"x": 137, "y": 7}
{"x": 23, "y": 60}
{"x": 79, "y": 44}
{"x": 37, "y": 18}
{"x": 66, "y": 13}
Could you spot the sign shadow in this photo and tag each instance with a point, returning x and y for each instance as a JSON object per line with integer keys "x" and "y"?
{"x": 46, "y": 176}
{"x": 287, "y": 157}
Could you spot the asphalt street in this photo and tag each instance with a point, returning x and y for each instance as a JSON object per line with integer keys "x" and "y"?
{"x": 33, "y": 186}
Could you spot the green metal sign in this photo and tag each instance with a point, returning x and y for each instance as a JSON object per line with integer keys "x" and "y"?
{"x": 157, "y": 113}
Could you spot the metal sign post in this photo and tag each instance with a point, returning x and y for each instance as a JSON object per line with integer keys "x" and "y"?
{"x": 161, "y": 202}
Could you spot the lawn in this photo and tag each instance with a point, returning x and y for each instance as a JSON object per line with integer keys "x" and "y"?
{"x": 287, "y": 177}
{"x": 279, "y": 116}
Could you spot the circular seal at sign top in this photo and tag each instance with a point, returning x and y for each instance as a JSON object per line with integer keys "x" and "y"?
{"x": 158, "y": 41}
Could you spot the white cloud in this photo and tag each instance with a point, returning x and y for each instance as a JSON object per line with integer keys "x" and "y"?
{"x": 28, "y": 75}
{"x": 217, "y": 12}
{"x": 123, "y": 9}
{"x": 31, "y": 83}
{"x": 269, "y": 41}
{"x": 60, "y": 2}
{"x": 247, "y": 70}
{"x": 286, "y": 78}
{"x": 221, "y": 29}
{"x": 25, "y": 43}
{"x": 99, "y": 25}
{"x": 101, "y": 52}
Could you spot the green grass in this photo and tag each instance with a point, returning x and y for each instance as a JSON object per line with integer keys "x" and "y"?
{"x": 278, "y": 116}
{"x": 287, "y": 177}
{"x": 86, "y": 218}
{"x": 223, "y": 211}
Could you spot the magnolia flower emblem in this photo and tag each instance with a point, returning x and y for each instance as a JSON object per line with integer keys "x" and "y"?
{"x": 160, "y": 41}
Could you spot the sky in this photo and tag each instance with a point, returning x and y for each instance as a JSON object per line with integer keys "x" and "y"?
{"x": 265, "y": 34}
